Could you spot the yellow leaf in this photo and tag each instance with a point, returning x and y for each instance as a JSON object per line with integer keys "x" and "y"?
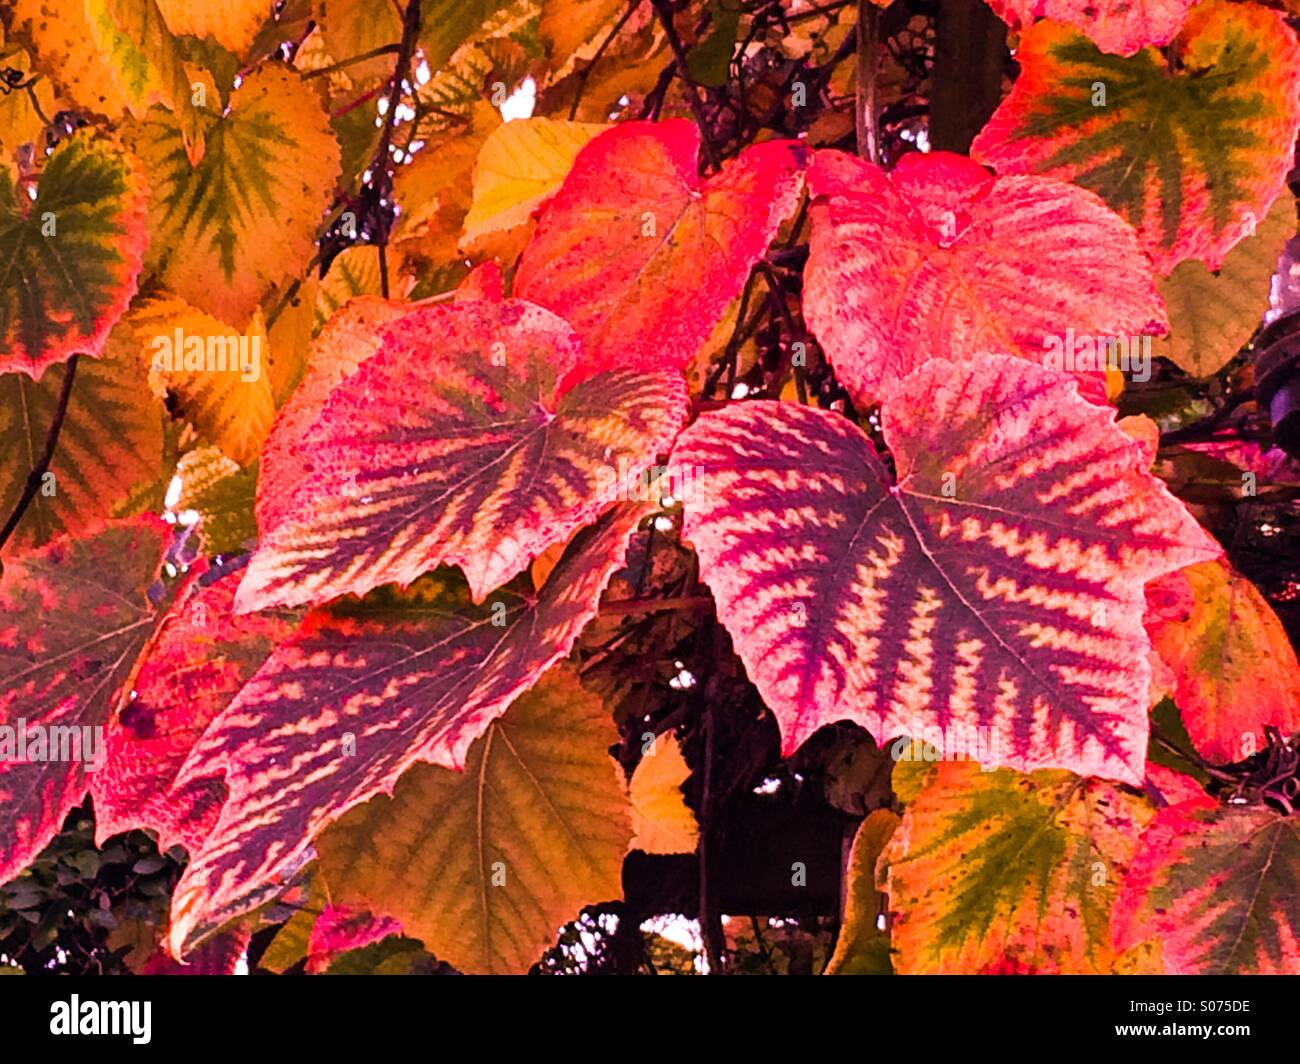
{"x": 63, "y": 48}
{"x": 233, "y": 24}
{"x": 567, "y": 25}
{"x": 245, "y": 218}
{"x": 355, "y": 272}
{"x": 354, "y": 27}
{"x": 662, "y": 822}
{"x": 216, "y": 374}
{"x": 20, "y": 123}
{"x": 519, "y": 166}
{"x": 485, "y": 865}
{"x": 1212, "y": 315}
{"x": 863, "y": 944}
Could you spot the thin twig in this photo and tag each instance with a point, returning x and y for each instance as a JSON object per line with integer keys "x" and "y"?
{"x": 868, "y": 62}
{"x": 34, "y": 478}
{"x": 585, "y": 73}
{"x": 630, "y": 607}
{"x": 697, "y": 107}
{"x": 374, "y": 53}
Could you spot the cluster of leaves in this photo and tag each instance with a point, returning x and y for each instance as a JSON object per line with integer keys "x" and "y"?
{"x": 447, "y": 532}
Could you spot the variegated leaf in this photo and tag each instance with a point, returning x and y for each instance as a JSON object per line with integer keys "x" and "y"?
{"x": 640, "y": 256}
{"x": 203, "y": 655}
{"x": 361, "y": 693}
{"x": 1218, "y": 886}
{"x": 941, "y": 259}
{"x": 243, "y": 219}
{"x": 990, "y": 593}
{"x": 484, "y": 865}
{"x": 73, "y": 618}
{"x": 1004, "y": 873}
{"x": 451, "y": 447}
{"x": 70, "y": 257}
{"x": 1121, "y": 26}
{"x": 1193, "y": 158}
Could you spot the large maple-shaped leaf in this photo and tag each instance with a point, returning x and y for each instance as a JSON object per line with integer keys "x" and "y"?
{"x": 999, "y": 872}
{"x": 73, "y": 617}
{"x": 1218, "y": 886}
{"x": 484, "y": 865}
{"x": 200, "y": 660}
{"x": 1235, "y": 671}
{"x": 242, "y": 219}
{"x": 450, "y": 447}
{"x": 1193, "y": 158}
{"x": 70, "y": 258}
{"x": 639, "y": 255}
{"x": 941, "y": 259}
{"x": 110, "y": 443}
{"x": 338, "y": 713}
{"x": 1120, "y": 26}
{"x": 995, "y": 584}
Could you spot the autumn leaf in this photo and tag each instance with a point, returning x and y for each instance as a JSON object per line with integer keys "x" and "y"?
{"x": 339, "y": 929}
{"x": 215, "y": 374}
{"x": 358, "y": 696}
{"x": 567, "y": 25}
{"x": 662, "y": 822}
{"x": 64, "y": 48}
{"x": 233, "y": 24}
{"x": 862, "y": 947}
{"x": 445, "y": 25}
{"x": 1217, "y": 886}
{"x": 219, "y": 495}
{"x": 1004, "y": 873}
{"x": 71, "y": 256}
{"x": 200, "y": 659}
{"x": 991, "y": 593}
{"x": 73, "y": 617}
{"x": 347, "y": 339}
{"x": 110, "y": 442}
{"x": 483, "y": 865}
{"x": 20, "y": 111}
{"x": 519, "y": 167}
{"x": 1234, "y": 669}
{"x": 941, "y": 259}
{"x": 451, "y": 447}
{"x": 1192, "y": 159}
{"x": 355, "y": 272}
{"x": 640, "y": 256}
{"x": 244, "y": 218}
{"x": 1120, "y": 26}
{"x": 354, "y": 27}
{"x": 1213, "y": 315}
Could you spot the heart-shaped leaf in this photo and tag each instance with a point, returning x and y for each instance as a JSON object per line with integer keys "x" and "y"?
{"x": 1235, "y": 671}
{"x": 1217, "y": 885}
{"x": 74, "y": 615}
{"x": 361, "y": 693}
{"x": 484, "y": 865}
{"x": 451, "y": 447}
{"x": 999, "y": 872}
{"x": 243, "y": 219}
{"x": 640, "y": 256}
{"x": 71, "y": 256}
{"x": 1121, "y": 26}
{"x": 991, "y": 593}
{"x": 941, "y": 259}
{"x": 1193, "y": 158}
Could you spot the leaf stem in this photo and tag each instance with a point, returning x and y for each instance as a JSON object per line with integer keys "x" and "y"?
{"x": 43, "y": 463}
{"x": 868, "y": 47}
{"x": 697, "y": 107}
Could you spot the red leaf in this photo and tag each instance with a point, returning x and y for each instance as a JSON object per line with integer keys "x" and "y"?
{"x": 640, "y": 256}
{"x": 435, "y": 453}
{"x": 1218, "y": 886}
{"x": 339, "y": 712}
{"x": 941, "y": 259}
{"x": 339, "y": 929}
{"x": 203, "y": 656}
{"x": 73, "y": 618}
{"x": 1119, "y": 26}
{"x": 997, "y": 584}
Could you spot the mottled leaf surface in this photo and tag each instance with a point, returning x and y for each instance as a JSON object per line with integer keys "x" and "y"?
{"x": 339, "y": 712}
{"x": 1004, "y": 873}
{"x": 995, "y": 584}
{"x": 1218, "y": 886}
{"x": 1120, "y": 26}
{"x": 73, "y": 617}
{"x": 941, "y": 259}
{"x": 1193, "y": 158}
{"x": 451, "y": 447}
{"x": 640, "y": 256}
